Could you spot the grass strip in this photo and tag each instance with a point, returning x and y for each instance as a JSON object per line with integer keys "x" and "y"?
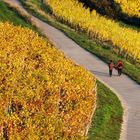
{"x": 106, "y": 123}
{"x": 7, "y": 14}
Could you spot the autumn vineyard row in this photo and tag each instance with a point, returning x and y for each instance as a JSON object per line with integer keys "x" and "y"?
{"x": 130, "y": 7}
{"x": 43, "y": 94}
{"x": 125, "y": 40}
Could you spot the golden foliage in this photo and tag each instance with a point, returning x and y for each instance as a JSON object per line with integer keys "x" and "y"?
{"x": 43, "y": 95}
{"x": 130, "y": 7}
{"x": 73, "y": 12}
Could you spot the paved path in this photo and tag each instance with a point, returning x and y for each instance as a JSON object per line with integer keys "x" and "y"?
{"x": 127, "y": 90}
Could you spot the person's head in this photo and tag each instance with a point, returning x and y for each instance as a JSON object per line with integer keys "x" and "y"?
{"x": 110, "y": 61}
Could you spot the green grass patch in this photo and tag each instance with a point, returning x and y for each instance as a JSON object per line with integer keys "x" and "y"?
{"x": 9, "y": 15}
{"x": 106, "y": 124}
{"x": 104, "y": 51}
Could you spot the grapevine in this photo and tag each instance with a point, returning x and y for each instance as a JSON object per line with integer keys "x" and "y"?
{"x": 130, "y": 7}
{"x": 43, "y": 94}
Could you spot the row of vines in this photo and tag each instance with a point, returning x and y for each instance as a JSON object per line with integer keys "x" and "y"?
{"x": 43, "y": 95}
{"x": 130, "y": 7}
{"x": 125, "y": 40}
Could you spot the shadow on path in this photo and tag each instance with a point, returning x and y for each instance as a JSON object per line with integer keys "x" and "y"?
{"x": 99, "y": 73}
{"x": 102, "y": 73}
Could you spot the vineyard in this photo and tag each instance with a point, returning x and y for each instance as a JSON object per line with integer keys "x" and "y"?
{"x": 125, "y": 40}
{"x": 130, "y": 7}
{"x": 43, "y": 94}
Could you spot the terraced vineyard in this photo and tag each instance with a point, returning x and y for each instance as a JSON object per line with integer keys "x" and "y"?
{"x": 42, "y": 94}
{"x": 125, "y": 40}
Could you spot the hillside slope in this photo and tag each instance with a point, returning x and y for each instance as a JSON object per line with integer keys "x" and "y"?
{"x": 38, "y": 84}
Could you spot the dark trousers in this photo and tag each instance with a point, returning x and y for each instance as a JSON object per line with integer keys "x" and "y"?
{"x": 119, "y": 72}
{"x": 110, "y": 73}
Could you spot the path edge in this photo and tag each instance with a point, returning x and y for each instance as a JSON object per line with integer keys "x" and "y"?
{"x": 123, "y": 134}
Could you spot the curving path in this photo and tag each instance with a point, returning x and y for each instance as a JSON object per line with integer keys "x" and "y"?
{"x": 127, "y": 90}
